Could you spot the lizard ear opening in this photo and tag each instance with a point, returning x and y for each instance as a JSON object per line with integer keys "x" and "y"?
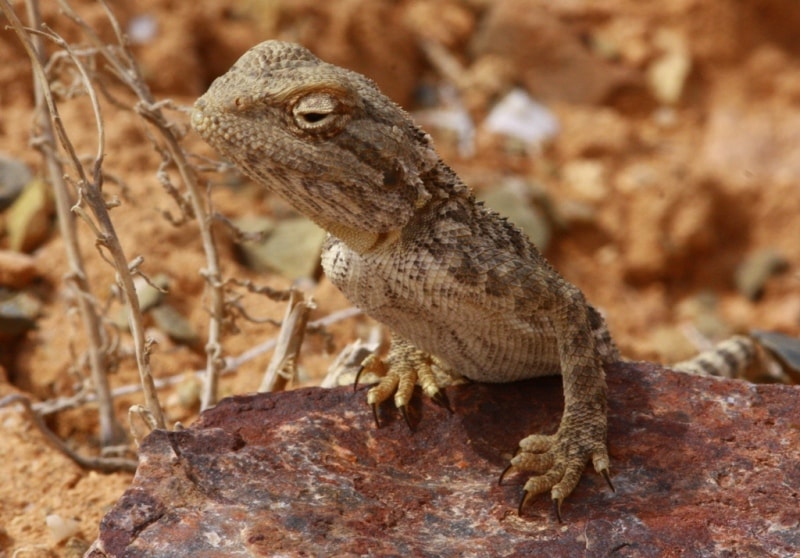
{"x": 320, "y": 112}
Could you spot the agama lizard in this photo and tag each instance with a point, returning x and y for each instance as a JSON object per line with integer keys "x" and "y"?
{"x": 461, "y": 288}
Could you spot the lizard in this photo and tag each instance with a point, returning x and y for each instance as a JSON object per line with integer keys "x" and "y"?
{"x": 464, "y": 292}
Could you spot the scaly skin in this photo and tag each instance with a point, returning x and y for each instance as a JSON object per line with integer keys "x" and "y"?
{"x": 461, "y": 288}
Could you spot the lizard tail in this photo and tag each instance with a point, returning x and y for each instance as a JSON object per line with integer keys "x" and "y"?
{"x": 728, "y": 359}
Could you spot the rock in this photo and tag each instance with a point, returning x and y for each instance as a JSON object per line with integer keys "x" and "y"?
{"x": 14, "y": 175}
{"x": 16, "y": 270}
{"x": 666, "y": 75}
{"x": 448, "y": 23}
{"x": 291, "y": 248}
{"x": 348, "y": 36}
{"x": 177, "y": 326}
{"x": 756, "y": 269}
{"x": 187, "y": 393}
{"x": 520, "y": 117}
{"x": 142, "y": 29}
{"x": 28, "y": 220}
{"x": 61, "y": 528}
{"x": 149, "y": 294}
{"x": 701, "y": 310}
{"x": 586, "y": 179}
{"x": 753, "y": 123}
{"x": 509, "y": 202}
{"x": 18, "y": 313}
{"x": 702, "y": 464}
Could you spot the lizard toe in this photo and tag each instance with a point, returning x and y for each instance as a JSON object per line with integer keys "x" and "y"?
{"x": 534, "y": 462}
{"x": 538, "y": 443}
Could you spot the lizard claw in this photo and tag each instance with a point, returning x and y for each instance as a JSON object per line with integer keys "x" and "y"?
{"x": 522, "y": 501}
{"x": 503, "y": 474}
{"x": 557, "y": 508}
{"x": 375, "y": 414}
{"x": 607, "y": 476}
{"x": 404, "y": 411}
{"x": 556, "y": 505}
{"x": 358, "y": 375}
{"x": 440, "y": 398}
{"x": 370, "y": 364}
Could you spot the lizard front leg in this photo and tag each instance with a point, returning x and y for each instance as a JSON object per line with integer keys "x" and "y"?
{"x": 560, "y": 459}
{"x": 404, "y": 367}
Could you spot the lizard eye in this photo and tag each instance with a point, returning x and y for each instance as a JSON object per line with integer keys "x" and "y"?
{"x": 322, "y": 112}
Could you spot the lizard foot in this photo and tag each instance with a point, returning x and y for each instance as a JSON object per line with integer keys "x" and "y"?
{"x": 559, "y": 461}
{"x": 404, "y": 367}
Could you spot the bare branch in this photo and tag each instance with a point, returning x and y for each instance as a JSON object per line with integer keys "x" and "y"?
{"x": 103, "y": 464}
{"x": 50, "y": 125}
{"x": 283, "y": 366}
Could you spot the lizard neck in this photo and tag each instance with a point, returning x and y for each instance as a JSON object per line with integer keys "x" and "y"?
{"x": 440, "y": 181}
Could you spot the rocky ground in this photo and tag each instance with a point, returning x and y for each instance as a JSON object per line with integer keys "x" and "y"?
{"x": 658, "y": 165}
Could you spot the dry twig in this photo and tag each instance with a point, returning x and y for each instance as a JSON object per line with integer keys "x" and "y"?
{"x": 50, "y": 125}
{"x": 123, "y": 64}
{"x": 232, "y": 364}
{"x": 103, "y": 464}
{"x": 283, "y": 365}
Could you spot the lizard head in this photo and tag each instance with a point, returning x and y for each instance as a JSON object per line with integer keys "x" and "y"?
{"x": 323, "y": 137}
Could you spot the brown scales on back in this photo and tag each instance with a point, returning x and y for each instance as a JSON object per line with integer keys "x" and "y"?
{"x": 463, "y": 291}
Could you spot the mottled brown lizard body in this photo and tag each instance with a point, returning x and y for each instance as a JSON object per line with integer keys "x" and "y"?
{"x": 462, "y": 289}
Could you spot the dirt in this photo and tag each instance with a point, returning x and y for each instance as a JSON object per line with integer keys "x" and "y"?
{"x": 658, "y": 197}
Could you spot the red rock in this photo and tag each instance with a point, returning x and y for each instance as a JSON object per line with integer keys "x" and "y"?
{"x": 702, "y": 467}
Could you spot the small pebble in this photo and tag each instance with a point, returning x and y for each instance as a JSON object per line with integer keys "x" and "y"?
{"x": 756, "y": 269}
{"x": 527, "y": 217}
{"x": 188, "y": 392}
{"x": 667, "y": 73}
{"x": 61, "y": 528}
{"x": 18, "y": 313}
{"x": 291, "y": 249}
{"x": 29, "y": 219}
{"x": 175, "y": 325}
{"x": 14, "y": 175}
{"x": 149, "y": 296}
{"x": 517, "y": 115}
{"x": 17, "y": 270}
{"x": 142, "y": 29}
